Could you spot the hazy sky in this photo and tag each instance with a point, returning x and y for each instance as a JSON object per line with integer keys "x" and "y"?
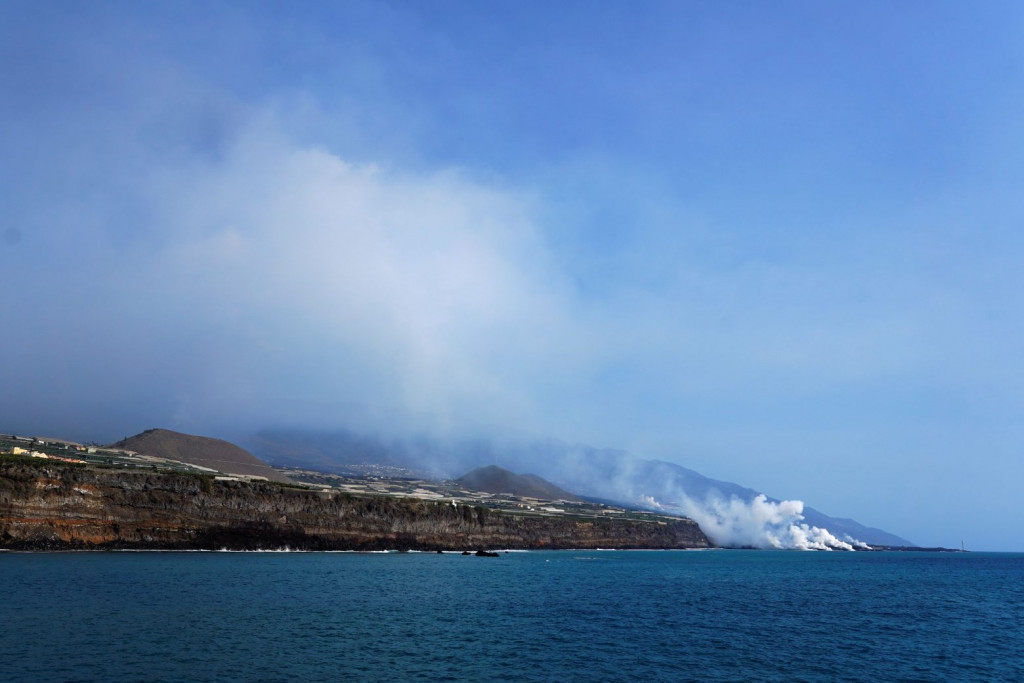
{"x": 778, "y": 243}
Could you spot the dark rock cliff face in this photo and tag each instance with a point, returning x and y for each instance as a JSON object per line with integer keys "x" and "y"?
{"x": 47, "y": 507}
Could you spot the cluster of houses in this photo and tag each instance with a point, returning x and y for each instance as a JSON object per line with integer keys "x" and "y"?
{"x": 36, "y": 454}
{"x": 33, "y": 443}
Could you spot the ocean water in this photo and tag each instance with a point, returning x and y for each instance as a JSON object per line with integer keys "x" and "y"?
{"x": 538, "y": 616}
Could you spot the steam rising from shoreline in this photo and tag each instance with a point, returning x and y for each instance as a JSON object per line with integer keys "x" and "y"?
{"x": 758, "y": 523}
{"x": 729, "y": 514}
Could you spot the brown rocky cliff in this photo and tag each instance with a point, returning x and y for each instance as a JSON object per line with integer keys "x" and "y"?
{"x": 55, "y": 507}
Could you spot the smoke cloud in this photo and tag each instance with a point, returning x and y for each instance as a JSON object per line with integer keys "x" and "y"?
{"x": 278, "y": 283}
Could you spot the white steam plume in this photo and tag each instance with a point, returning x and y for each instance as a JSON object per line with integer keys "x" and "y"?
{"x": 758, "y": 523}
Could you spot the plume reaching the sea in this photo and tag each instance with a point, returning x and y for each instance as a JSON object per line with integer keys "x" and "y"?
{"x": 757, "y": 523}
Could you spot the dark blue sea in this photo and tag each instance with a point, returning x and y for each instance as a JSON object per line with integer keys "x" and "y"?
{"x": 539, "y": 616}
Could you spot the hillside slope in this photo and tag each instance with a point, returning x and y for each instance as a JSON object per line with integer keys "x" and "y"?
{"x": 494, "y": 479}
{"x": 215, "y": 454}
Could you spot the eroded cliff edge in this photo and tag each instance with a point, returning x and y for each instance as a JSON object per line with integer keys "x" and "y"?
{"x": 55, "y": 507}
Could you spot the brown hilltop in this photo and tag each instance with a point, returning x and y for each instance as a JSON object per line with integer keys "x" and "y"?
{"x": 199, "y": 450}
{"x": 494, "y": 479}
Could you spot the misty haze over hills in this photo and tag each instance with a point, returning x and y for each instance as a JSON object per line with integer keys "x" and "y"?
{"x": 766, "y": 244}
{"x": 729, "y": 513}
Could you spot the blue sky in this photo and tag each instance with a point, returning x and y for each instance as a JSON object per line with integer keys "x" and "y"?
{"x": 778, "y": 243}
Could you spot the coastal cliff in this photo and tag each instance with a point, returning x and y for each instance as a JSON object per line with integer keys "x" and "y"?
{"x": 56, "y": 507}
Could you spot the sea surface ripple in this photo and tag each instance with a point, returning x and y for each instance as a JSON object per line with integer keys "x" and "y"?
{"x": 540, "y": 616}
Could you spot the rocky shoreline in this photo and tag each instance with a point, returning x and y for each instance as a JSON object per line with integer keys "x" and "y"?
{"x": 52, "y": 507}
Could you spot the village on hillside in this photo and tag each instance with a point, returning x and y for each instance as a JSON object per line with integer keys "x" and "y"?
{"x": 91, "y": 454}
